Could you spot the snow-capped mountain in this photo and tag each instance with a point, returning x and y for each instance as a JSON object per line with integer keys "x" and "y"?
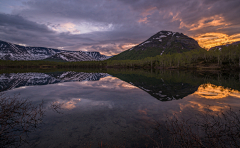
{"x": 72, "y": 56}
{"x": 9, "y": 51}
{"x": 167, "y": 40}
{"x": 15, "y": 80}
{"x": 161, "y": 43}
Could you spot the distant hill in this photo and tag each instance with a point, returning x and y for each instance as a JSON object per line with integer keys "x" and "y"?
{"x": 163, "y": 42}
{"x": 220, "y": 47}
{"x": 9, "y": 51}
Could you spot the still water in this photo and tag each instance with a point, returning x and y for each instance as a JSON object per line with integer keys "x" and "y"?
{"x": 115, "y": 108}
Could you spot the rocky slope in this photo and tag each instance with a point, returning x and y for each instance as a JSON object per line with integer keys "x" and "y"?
{"x": 9, "y": 51}
{"x": 163, "y": 42}
{"x": 97, "y": 56}
{"x": 71, "y": 57}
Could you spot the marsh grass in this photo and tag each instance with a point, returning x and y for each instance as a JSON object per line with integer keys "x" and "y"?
{"x": 18, "y": 117}
{"x": 215, "y": 130}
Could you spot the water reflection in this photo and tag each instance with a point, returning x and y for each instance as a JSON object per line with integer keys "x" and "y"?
{"x": 117, "y": 107}
{"x": 210, "y": 91}
{"x": 164, "y": 86}
{"x": 71, "y": 104}
{"x": 15, "y": 80}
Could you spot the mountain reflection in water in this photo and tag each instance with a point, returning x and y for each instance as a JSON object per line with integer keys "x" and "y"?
{"x": 15, "y": 80}
{"x": 164, "y": 86}
{"x": 116, "y": 107}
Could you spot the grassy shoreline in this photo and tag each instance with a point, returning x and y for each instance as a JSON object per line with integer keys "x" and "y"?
{"x": 228, "y": 58}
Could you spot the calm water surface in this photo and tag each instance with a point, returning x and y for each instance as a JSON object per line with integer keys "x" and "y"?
{"x": 116, "y": 108}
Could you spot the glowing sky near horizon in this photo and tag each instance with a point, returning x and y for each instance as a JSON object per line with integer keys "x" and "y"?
{"x": 112, "y": 26}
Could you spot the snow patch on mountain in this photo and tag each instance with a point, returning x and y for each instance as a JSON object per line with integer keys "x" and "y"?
{"x": 72, "y": 56}
{"x": 97, "y": 56}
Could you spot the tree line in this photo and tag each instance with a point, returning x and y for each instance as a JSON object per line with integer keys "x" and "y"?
{"x": 227, "y": 57}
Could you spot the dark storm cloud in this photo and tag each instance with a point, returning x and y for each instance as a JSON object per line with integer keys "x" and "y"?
{"x": 117, "y": 22}
{"x": 16, "y": 29}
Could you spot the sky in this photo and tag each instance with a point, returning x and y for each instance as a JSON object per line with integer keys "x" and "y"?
{"x": 112, "y": 26}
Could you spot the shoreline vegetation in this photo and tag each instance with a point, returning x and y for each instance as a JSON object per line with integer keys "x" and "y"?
{"x": 225, "y": 58}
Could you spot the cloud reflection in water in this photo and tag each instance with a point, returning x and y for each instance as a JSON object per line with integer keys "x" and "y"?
{"x": 210, "y": 91}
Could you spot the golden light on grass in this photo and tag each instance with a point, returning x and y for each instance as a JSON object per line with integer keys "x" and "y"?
{"x": 213, "y": 39}
{"x": 210, "y": 91}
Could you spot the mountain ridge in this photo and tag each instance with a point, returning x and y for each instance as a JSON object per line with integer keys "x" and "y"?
{"x": 14, "y": 52}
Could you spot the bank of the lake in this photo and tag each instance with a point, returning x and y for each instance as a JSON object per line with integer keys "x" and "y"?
{"x": 228, "y": 58}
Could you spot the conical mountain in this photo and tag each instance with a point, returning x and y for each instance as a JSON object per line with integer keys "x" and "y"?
{"x": 163, "y": 42}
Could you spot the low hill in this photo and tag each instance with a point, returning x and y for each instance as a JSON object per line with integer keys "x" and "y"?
{"x": 163, "y": 42}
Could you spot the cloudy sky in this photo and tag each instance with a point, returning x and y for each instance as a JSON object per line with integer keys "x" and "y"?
{"x": 112, "y": 26}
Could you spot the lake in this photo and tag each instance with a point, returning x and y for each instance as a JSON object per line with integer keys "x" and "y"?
{"x": 113, "y": 108}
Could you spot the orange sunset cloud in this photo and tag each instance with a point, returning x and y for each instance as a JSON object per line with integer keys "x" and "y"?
{"x": 212, "y": 39}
